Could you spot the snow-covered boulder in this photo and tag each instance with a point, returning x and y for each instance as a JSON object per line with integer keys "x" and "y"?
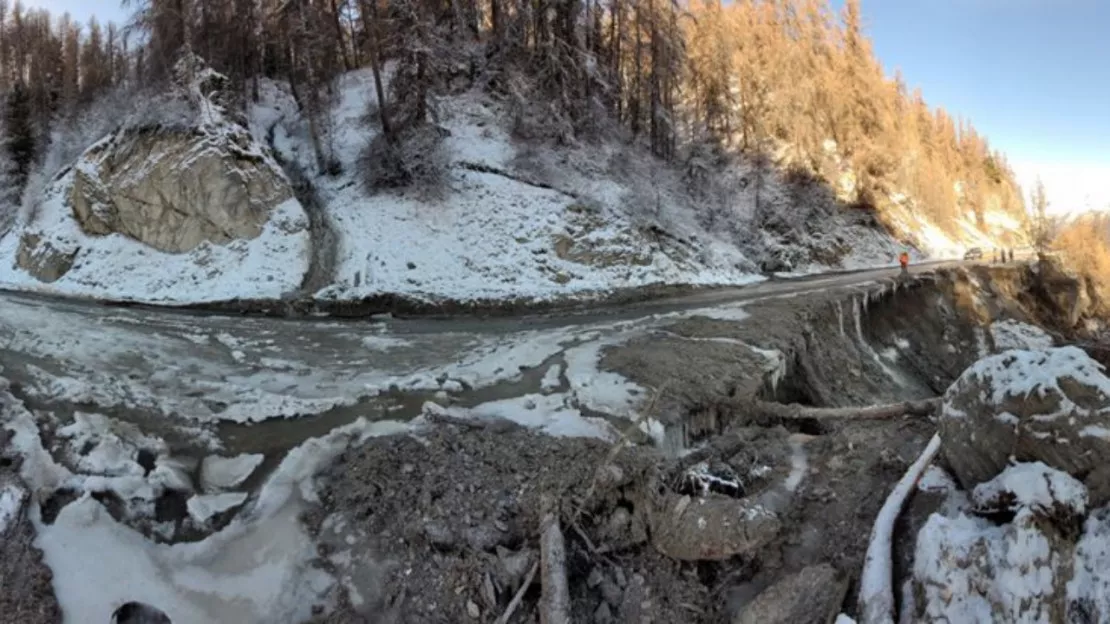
{"x": 1035, "y": 568}
{"x": 181, "y": 207}
{"x": 1049, "y": 405}
{"x": 174, "y": 188}
{"x": 967, "y": 569}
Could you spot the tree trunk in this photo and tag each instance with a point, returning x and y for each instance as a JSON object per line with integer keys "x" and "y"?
{"x": 371, "y": 21}
{"x": 340, "y": 38}
{"x": 871, "y": 412}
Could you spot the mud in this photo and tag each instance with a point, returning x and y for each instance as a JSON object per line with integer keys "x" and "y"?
{"x": 452, "y": 517}
{"x": 449, "y": 520}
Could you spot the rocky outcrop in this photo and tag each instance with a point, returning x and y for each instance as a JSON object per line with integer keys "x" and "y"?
{"x": 42, "y": 259}
{"x": 1050, "y": 405}
{"x": 175, "y": 188}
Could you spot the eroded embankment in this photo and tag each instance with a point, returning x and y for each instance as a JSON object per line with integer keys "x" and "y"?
{"x": 760, "y": 513}
{"x": 877, "y": 343}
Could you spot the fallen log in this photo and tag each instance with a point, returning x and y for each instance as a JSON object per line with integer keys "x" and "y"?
{"x": 795, "y": 411}
{"x": 555, "y": 598}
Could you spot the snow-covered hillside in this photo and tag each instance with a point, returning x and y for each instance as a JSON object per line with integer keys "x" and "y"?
{"x": 511, "y": 219}
{"x": 501, "y": 227}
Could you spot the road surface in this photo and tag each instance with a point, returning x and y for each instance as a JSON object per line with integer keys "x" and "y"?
{"x": 195, "y": 378}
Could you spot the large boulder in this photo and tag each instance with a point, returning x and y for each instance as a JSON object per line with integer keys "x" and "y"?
{"x": 174, "y": 189}
{"x": 970, "y": 569}
{"x": 42, "y": 259}
{"x": 1050, "y": 405}
{"x": 810, "y": 596}
{"x": 175, "y": 186}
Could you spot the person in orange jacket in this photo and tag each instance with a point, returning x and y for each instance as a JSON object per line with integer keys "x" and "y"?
{"x": 904, "y": 260}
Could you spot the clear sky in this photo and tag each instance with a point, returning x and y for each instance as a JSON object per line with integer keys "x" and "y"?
{"x": 1032, "y": 75}
{"x": 82, "y": 10}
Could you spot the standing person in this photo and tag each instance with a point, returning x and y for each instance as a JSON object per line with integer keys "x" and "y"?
{"x": 904, "y": 260}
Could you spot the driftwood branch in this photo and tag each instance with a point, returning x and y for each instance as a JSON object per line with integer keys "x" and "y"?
{"x": 872, "y": 412}
{"x": 555, "y": 599}
{"x": 515, "y": 602}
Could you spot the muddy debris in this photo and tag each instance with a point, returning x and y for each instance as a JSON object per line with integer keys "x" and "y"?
{"x": 814, "y": 594}
{"x": 457, "y": 524}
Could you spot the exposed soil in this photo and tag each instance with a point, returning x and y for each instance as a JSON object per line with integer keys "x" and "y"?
{"x": 450, "y": 521}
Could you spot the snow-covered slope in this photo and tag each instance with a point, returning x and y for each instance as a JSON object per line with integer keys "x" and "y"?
{"x": 120, "y": 268}
{"x": 495, "y": 231}
{"x": 512, "y": 219}
{"x": 181, "y": 208}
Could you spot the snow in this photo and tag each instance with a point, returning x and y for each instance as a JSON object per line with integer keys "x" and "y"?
{"x": 203, "y": 506}
{"x": 222, "y": 473}
{"x": 1019, "y": 373}
{"x": 549, "y": 414}
{"x": 488, "y": 236}
{"x": 799, "y": 465}
{"x": 1089, "y": 582}
{"x": 11, "y": 503}
{"x": 552, "y": 379}
{"x": 1010, "y": 334}
{"x": 596, "y": 389}
{"x": 1007, "y": 576}
{"x": 120, "y": 268}
{"x": 113, "y": 445}
{"x": 257, "y": 569}
{"x": 1034, "y": 486}
{"x": 383, "y": 343}
{"x": 876, "y": 596}
{"x": 972, "y": 570}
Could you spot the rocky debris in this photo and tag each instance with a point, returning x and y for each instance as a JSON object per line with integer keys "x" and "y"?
{"x": 589, "y": 241}
{"x": 1048, "y": 406}
{"x": 1031, "y": 568}
{"x": 43, "y": 259}
{"x": 464, "y": 526}
{"x": 174, "y": 188}
{"x": 812, "y": 595}
{"x": 452, "y": 519}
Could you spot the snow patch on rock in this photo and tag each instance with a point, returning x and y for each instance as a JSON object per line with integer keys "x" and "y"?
{"x": 1010, "y": 334}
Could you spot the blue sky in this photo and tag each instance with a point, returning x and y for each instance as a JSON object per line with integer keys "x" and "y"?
{"x": 104, "y": 10}
{"x": 1032, "y": 75}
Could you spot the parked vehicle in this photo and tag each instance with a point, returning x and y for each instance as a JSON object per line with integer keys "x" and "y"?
{"x": 975, "y": 253}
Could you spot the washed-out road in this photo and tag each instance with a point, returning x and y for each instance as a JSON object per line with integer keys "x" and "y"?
{"x": 263, "y": 384}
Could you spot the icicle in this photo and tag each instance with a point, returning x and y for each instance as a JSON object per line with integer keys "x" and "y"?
{"x": 856, "y": 318}
{"x": 840, "y": 316}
